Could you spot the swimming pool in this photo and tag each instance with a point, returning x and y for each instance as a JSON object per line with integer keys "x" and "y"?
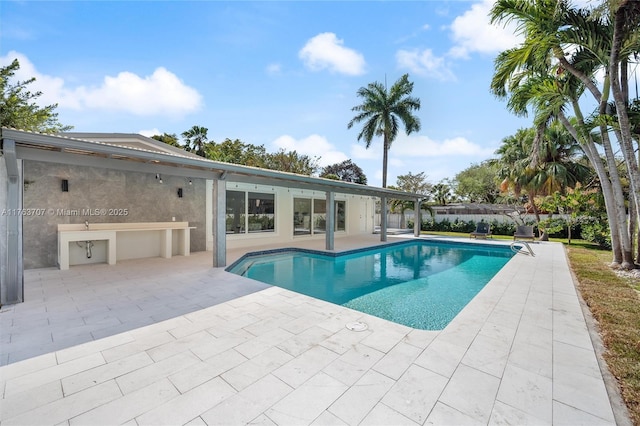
{"x": 421, "y": 284}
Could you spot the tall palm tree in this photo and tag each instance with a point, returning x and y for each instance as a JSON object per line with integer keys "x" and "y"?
{"x": 382, "y": 111}
{"x": 196, "y": 140}
{"x": 541, "y": 74}
{"x": 625, "y": 42}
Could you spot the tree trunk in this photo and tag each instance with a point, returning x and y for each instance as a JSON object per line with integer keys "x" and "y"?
{"x": 616, "y": 183}
{"x": 384, "y": 160}
{"x": 619, "y": 242}
{"x": 633, "y": 224}
{"x": 638, "y": 224}
{"x": 543, "y": 236}
{"x": 626, "y": 142}
{"x": 593, "y": 155}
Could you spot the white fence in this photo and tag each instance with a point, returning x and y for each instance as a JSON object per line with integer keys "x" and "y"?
{"x": 394, "y": 220}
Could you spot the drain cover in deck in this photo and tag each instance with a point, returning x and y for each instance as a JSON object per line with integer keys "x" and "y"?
{"x": 357, "y": 326}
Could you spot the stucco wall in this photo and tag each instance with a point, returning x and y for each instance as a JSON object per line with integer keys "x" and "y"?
{"x": 91, "y": 188}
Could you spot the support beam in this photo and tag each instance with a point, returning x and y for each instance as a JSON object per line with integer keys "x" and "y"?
{"x": 219, "y": 224}
{"x": 417, "y": 221}
{"x": 331, "y": 220}
{"x": 383, "y": 218}
{"x": 13, "y": 279}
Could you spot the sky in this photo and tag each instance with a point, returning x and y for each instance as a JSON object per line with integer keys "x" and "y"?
{"x": 279, "y": 74}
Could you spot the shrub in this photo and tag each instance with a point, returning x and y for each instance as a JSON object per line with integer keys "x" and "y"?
{"x": 597, "y": 231}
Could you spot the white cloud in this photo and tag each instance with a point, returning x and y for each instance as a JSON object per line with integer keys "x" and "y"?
{"x": 313, "y": 146}
{"x": 149, "y": 133}
{"x": 360, "y": 152}
{"x": 472, "y": 32}
{"x": 161, "y": 93}
{"x": 326, "y": 51}
{"x": 423, "y": 146}
{"x": 417, "y": 146}
{"x": 396, "y": 162}
{"x": 274, "y": 69}
{"x": 49, "y": 86}
{"x": 424, "y": 63}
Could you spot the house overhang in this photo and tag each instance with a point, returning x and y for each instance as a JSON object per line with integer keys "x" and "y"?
{"x": 67, "y": 150}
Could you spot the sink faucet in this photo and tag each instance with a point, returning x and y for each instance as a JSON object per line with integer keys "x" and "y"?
{"x": 86, "y": 225}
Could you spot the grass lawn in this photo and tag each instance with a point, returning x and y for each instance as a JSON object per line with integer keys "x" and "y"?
{"x": 614, "y": 302}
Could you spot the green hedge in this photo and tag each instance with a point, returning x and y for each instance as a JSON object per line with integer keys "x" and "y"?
{"x": 593, "y": 230}
{"x": 497, "y": 228}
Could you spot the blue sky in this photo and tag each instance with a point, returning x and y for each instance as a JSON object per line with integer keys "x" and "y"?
{"x": 278, "y": 74}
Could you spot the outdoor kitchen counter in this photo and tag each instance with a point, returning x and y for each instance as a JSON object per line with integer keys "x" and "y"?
{"x": 68, "y": 233}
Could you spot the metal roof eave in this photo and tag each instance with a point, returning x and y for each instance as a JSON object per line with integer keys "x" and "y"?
{"x": 226, "y": 170}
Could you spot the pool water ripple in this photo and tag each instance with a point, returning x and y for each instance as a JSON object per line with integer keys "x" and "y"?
{"x": 420, "y": 284}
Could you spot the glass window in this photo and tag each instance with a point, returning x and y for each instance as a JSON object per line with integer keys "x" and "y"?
{"x": 341, "y": 209}
{"x": 319, "y": 216}
{"x": 301, "y": 216}
{"x": 261, "y": 208}
{"x": 235, "y": 212}
{"x": 250, "y": 212}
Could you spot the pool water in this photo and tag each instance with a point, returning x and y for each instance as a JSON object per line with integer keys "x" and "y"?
{"x": 421, "y": 284}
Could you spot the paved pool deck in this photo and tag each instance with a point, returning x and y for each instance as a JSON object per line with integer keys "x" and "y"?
{"x": 174, "y": 341}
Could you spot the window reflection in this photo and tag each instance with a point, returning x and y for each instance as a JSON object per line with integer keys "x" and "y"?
{"x": 319, "y": 216}
{"x": 261, "y": 212}
{"x": 308, "y": 221}
{"x": 301, "y": 216}
{"x": 250, "y": 212}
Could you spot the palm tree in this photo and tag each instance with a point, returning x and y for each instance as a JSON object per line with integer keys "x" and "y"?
{"x": 196, "y": 140}
{"x": 540, "y": 74}
{"x": 382, "y": 111}
{"x": 552, "y": 164}
{"x": 559, "y": 161}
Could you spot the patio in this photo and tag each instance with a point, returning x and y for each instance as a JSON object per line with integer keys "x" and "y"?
{"x": 174, "y": 341}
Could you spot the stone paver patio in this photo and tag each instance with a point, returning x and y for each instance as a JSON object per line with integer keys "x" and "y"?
{"x": 160, "y": 341}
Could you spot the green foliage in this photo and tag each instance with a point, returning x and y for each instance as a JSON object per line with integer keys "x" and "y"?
{"x": 292, "y": 162}
{"x": 331, "y": 176}
{"x": 442, "y": 192}
{"x": 576, "y": 205}
{"x": 596, "y": 230}
{"x": 195, "y": 140}
{"x": 553, "y": 225}
{"x": 417, "y": 183}
{"x": 168, "y": 138}
{"x": 478, "y": 183}
{"x": 445, "y": 225}
{"x": 237, "y": 152}
{"x": 18, "y": 108}
{"x": 347, "y": 171}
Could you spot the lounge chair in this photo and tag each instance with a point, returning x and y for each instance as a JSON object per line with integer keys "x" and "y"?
{"x": 483, "y": 230}
{"x": 524, "y": 232}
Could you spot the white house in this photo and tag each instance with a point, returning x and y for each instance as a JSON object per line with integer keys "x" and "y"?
{"x": 157, "y": 199}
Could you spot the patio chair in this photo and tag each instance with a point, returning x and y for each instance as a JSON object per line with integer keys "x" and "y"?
{"x": 483, "y": 230}
{"x": 524, "y": 232}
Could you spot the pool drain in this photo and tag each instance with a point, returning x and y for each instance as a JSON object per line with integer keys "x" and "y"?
{"x": 357, "y": 326}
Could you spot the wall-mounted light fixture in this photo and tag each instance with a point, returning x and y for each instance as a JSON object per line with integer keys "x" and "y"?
{"x": 190, "y": 181}
{"x": 179, "y": 192}
{"x": 65, "y": 185}
{"x": 158, "y": 178}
